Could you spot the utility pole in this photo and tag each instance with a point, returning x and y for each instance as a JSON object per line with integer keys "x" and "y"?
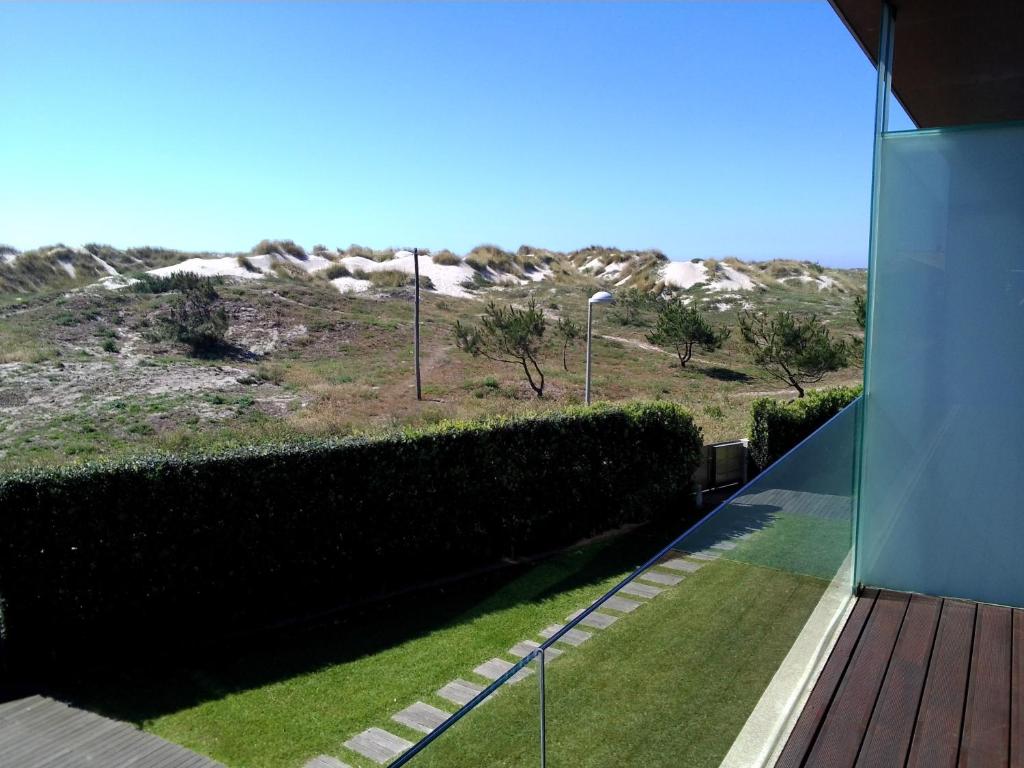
{"x": 416, "y": 320}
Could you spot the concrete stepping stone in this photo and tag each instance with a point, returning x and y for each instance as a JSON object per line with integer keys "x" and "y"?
{"x": 326, "y": 761}
{"x": 460, "y": 692}
{"x": 378, "y": 745}
{"x": 705, "y": 554}
{"x": 640, "y": 590}
{"x": 620, "y": 604}
{"x": 574, "y": 637}
{"x": 660, "y": 577}
{"x": 597, "y": 620}
{"x": 725, "y": 546}
{"x": 495, "y": 668}
{"x": 526, "y": 647}
{"x": 421, "y": 717}
{"x": 684, "y": 566}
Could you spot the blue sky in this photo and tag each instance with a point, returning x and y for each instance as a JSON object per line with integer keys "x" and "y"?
{"x": 703, "y": 129}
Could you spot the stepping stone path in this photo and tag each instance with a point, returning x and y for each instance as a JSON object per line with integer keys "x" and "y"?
{"x": 599, "y": 620}
{"x": 526, "y": 647}
{"x": 326, "y": 761}
{"x": 706, "y": 554}
{"x": 684, "y": 566}
{"x": 378, "y": 745}
{"x": 495, "y": 668}
{"x": 574, "y": 637}
{"x": 421, "y": 717}
{"x": 460, "y": 692}
{"x": 660, "y": 577}
{"x": 620, "y": 604}
{"x": 381, "y": 746}
{"x": 640, "y": 590}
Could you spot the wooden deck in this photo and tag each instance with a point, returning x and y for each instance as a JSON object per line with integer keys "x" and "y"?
{"x": 37, "y": 732}
{"x": 920, "y": 682}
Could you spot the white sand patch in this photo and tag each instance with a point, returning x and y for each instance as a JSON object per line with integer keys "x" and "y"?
{"x": 822, "y": 281}
{"x": 536, "y": 275}
{"x": 684, "y": 274}
{"x": 613, "y": 269}
{"x": 225, "y": 266}
{"x": 8, "y": 258}
{"x": 104, "y": 266}
{"x": 116, "y": 282}
{"x": 624, "y": 280}
{"x": 67, "y": 266}
{"x": 731, "y": 279}
{"x": 351, "y": 284}
{"x": 594, "y": 264}
{"x": 446, "y": 278}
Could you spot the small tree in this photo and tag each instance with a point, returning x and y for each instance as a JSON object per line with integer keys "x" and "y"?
{"x": 681, "y": 328}
{"x": 508, "y": 336}
{"x": 568, "y": 331}
{"x": 197, "y": 319}
{"x": 631, "y": 304}
{"x": 860, "y": 308}
{"x": 796, "y": 351}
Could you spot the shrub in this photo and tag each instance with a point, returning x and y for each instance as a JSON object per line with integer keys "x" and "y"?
{"x": 109, "y": 345}
{"x": 268, "y": 247}
{"x": 198, "y": 320}
{"x": 335, "y": 271}
{"x": 446, "y": 258}
{"x": 244, "y": 263}
{"x": 776, "y": 427}
{"x": 106, "y": 558}
{"x": 390, "y": 278}
{"x": 179, "y": 281}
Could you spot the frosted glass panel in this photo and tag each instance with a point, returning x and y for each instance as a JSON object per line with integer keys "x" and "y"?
{"x": 941, "y": 506}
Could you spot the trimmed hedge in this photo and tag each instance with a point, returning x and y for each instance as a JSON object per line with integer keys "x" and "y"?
{"x": 777, "y": 427}
{"x": 164, "y": 550}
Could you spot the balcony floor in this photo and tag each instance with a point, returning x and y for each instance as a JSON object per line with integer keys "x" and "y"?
{"x": 917, "y": 681}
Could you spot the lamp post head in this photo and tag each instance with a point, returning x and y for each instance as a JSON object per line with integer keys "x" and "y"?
{"x": 601, "y": 297}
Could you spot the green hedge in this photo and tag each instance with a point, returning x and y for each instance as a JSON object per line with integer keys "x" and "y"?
{"x": 777, "y": 427}
{"x": 170, "y": 549}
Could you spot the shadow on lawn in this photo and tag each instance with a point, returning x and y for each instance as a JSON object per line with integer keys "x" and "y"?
{"x": 139, "y": 691}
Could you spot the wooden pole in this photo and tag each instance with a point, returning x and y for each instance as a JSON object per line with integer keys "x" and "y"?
{"x": 416, "y": 321}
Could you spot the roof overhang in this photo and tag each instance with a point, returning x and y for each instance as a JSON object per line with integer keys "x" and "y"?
{"x": 956, "y": 62}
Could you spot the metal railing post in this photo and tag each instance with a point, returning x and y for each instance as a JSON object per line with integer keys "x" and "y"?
{"x": 543, "y": 714}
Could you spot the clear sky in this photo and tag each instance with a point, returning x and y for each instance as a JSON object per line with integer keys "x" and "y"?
{"x": 702, "y": 129}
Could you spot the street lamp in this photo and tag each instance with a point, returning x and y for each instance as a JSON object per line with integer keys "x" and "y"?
{"x": 601, "y": 297}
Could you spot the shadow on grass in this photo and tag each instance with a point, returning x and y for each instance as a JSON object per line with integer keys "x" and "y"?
{"x": 726, "y": 374}
{"x": 143, "y": 690}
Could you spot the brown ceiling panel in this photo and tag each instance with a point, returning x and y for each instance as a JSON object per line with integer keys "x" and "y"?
{"x": 955, "y": 62}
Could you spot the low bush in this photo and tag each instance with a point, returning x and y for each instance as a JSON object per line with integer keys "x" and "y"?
{"x": 268, "y": 247}
{"x": 179, "y": 281}
{"x": 446, "y": 258}
{"x": 159, "y": 551}
{"x": 389, "y": 278}
{"x": 777, "y": 427}
{"x": 335, "y": 271}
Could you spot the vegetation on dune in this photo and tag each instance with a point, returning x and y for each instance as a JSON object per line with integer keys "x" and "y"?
{"x": 197, "y": 318}
{"x": 269, "y": 247}
{"x": 446, "y": 258}
{"x": 796, "y": 351}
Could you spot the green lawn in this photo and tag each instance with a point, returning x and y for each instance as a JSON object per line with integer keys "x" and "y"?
{"x": 670, "y": 684}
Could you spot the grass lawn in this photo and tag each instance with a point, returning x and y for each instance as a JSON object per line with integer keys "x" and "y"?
{"x": 670, "y": 684}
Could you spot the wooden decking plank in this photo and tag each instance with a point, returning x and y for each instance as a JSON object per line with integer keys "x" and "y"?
{"x": 936, "y": 739}
{"x": 986, "y": 735}
{"x": 887, "y": 741}
{"x": 10, "y": 708}
{"x": 806, "y": 729}
{"x": 100, "y": 748}
{"x": 59, "y": 740}
{"x": 1017, "y": 693}
{"x": 842, "y": 731}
